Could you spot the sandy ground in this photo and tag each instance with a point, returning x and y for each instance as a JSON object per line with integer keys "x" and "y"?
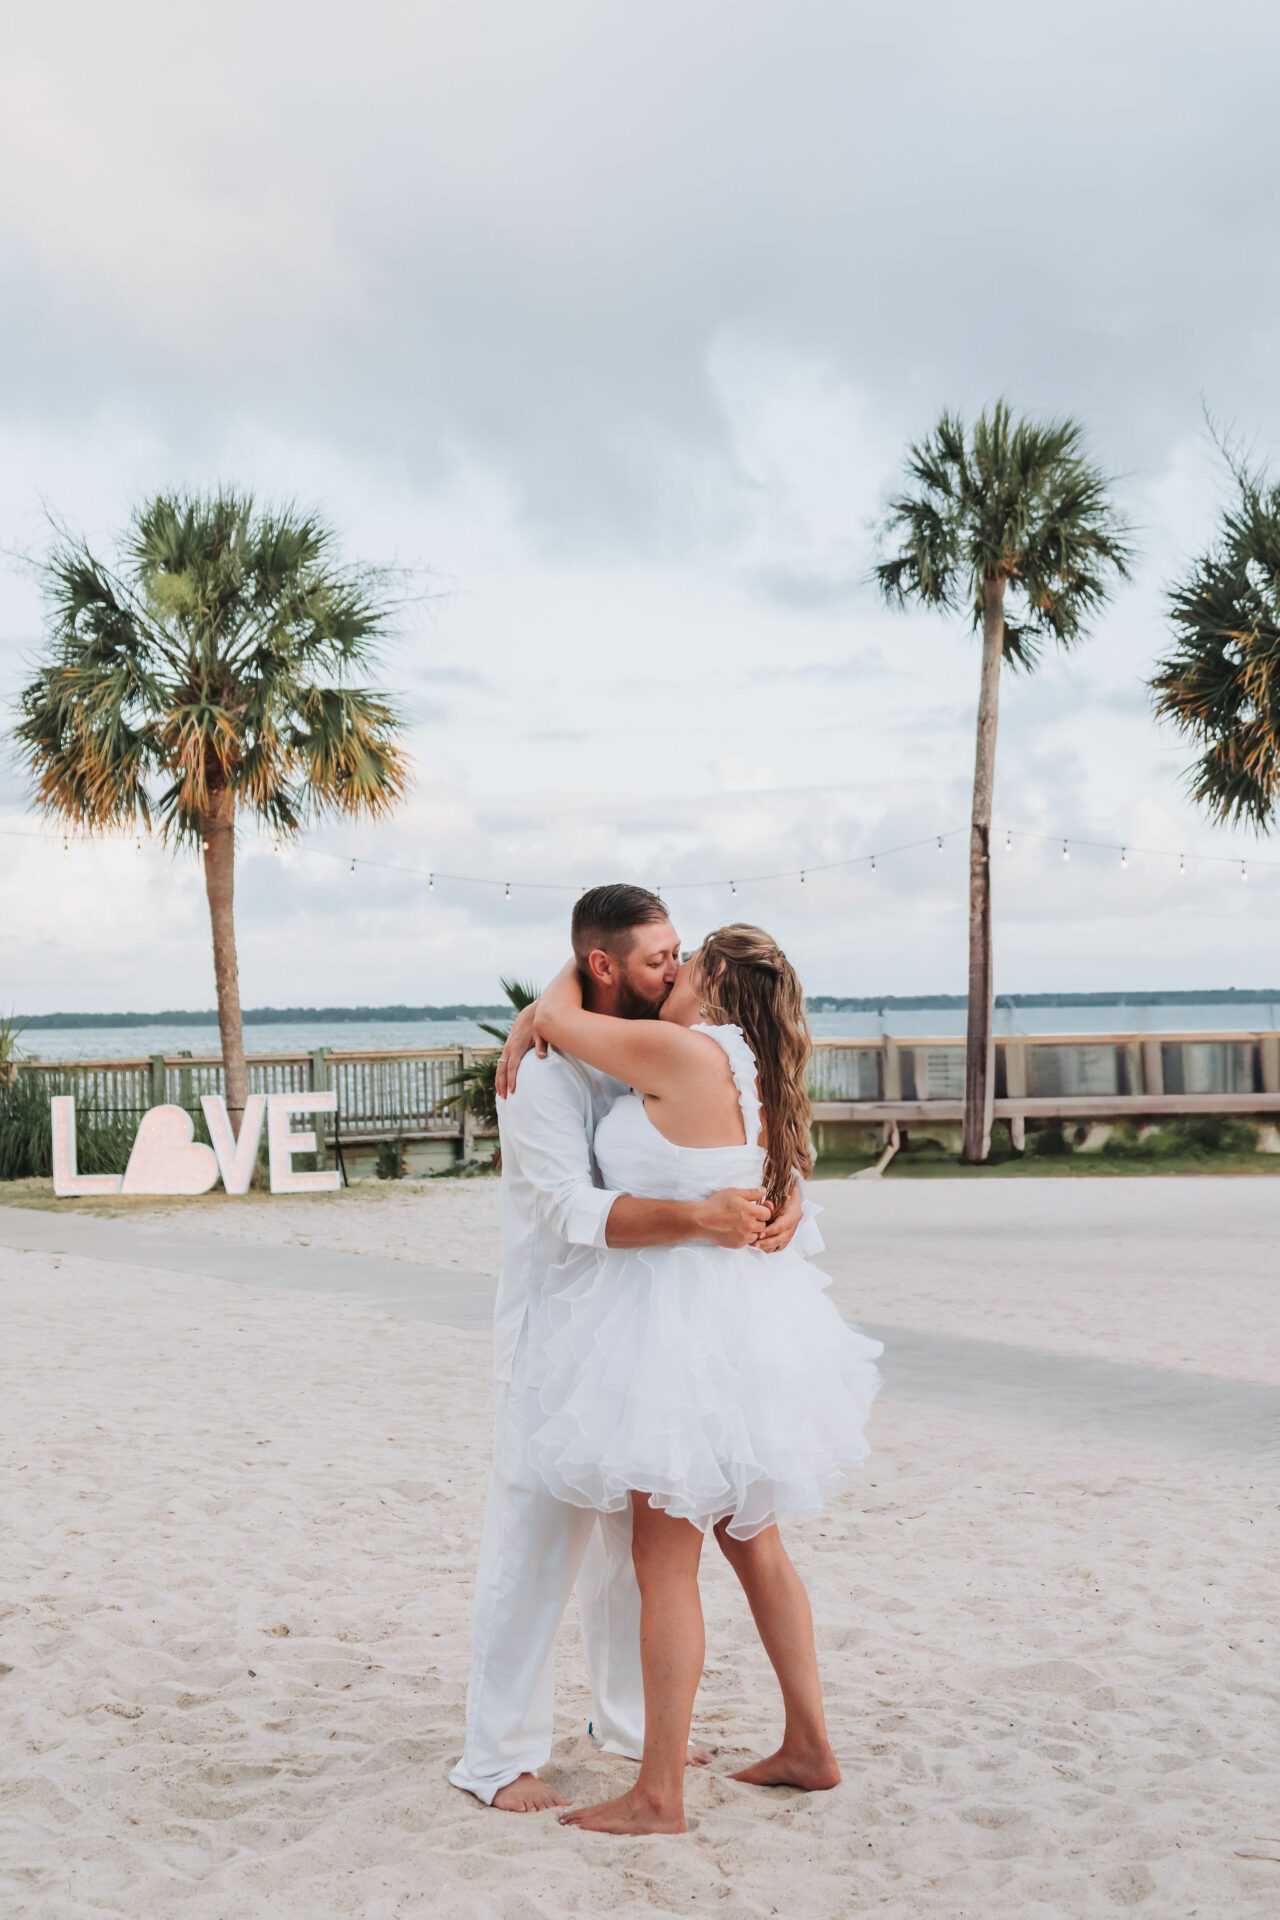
{"x": 241, "y": 1523}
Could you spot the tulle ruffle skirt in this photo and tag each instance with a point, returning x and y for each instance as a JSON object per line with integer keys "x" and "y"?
{"x": 723, "y": 1384}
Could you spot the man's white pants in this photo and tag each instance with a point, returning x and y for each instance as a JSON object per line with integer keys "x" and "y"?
{"x": 532, "y": 1549}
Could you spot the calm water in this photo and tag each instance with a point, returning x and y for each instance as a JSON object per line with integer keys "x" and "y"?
{"x": 133, "y": 1043}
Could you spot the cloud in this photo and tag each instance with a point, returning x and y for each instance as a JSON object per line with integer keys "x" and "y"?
{"x": 616, "y": 323}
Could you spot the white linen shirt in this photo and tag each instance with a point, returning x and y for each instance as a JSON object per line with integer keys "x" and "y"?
{"x": 553, "y": 1198}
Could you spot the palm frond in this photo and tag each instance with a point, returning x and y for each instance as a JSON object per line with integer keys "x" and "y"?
{"x": 1016, "y": 500}
{"x": 1220, "y": 683}
{"x": 225, "y": 652}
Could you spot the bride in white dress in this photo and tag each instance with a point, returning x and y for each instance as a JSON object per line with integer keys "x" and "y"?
{"x": 713, "y": 1390}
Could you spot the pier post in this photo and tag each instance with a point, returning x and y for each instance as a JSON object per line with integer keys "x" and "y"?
{"x": 1152, "y": 1066}
{"x": 468, "y": 1116}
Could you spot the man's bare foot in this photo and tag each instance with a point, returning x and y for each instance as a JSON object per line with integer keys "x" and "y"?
{"x": 632, "y": 1813}
{"x": 699, "y": 1756}
{"x": 527, "y": 1794}
{"x": 814, "y": 1771}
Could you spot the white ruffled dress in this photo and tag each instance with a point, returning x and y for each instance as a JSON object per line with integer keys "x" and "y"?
{"x": 723, "y": 1383}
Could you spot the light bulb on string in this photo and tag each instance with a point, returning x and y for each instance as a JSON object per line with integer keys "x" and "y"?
{"x": 802, "y": 876}
{"x": 1244, "y": 871}
{"x": 1124, "y": 856}
{"x": 873, "y": 863}
{"x": 1066, "y": 851}
{"x": 507, "y": 894}
{"x": 939, "y": 843}
{"x": 1008, "y": 841}
{"x": 1182, "y": 863}
{"x": 353, "y": 866}
{"x": 733, "y": 889}
{"x": 431, "y": 883}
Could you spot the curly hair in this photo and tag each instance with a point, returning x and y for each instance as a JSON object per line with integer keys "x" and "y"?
{"x": 748, "y": 981}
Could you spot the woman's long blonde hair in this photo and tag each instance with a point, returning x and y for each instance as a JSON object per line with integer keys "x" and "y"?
{"x": 748, "y": 980}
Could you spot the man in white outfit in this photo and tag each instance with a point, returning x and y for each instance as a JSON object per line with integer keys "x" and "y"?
{"x": 534, "y": 1547}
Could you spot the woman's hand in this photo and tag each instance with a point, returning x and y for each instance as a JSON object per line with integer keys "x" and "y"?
{"x": 520, "y": 1037}
{"x": 529, "y": 1028}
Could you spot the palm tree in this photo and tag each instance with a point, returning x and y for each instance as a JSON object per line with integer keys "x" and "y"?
{"x": 1011, "y": 524}
{"x": 215, "y": 671}
{"x": 474, "y": 1089}
{"x": 1221, "y": 683}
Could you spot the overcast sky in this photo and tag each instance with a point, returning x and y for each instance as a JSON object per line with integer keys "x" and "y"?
{"x": 615, "y": 320}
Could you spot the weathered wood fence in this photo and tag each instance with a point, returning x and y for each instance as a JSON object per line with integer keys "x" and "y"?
{"x": 886, "y": 1080}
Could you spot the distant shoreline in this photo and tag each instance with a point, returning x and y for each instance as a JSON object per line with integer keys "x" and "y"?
{"x": 817, "y": 1003}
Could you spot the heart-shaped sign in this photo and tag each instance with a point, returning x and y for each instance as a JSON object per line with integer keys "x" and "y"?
{"x": 167, "y": 1157}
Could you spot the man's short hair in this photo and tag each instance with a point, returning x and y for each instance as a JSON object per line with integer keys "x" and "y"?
{"x": 607, "y": 917}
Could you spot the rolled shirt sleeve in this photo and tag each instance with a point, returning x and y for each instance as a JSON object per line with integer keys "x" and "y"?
{"x": 548, "y": 1121}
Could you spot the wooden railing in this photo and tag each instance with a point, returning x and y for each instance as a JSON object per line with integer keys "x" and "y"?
{"x": 883, "y": 1079}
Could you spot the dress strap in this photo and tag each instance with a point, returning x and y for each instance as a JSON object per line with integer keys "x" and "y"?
{"x": 742, "y": 1064}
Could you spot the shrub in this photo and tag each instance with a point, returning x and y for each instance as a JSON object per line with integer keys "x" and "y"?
{"x": 103, "y": 1142}
{"x": 1049, "y": 1139}
{"x": 389, "y": 1161}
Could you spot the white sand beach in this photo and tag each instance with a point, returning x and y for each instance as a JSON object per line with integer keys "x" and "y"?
{"x": 241, "y": 1518}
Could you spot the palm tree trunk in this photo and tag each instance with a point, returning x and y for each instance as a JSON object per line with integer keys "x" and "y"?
{"x": 979, "y": 1058}
{"x": 218, "y": 827}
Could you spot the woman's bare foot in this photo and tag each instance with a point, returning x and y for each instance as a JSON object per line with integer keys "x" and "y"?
{"x": 700, "y": 1756}
{"x": 633, "y": 1812}
{"x": 814, "y": 1771}
{"x": 527, "y": 1794}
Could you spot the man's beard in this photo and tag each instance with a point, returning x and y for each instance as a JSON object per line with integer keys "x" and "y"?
{"x": 632, "y": 1007}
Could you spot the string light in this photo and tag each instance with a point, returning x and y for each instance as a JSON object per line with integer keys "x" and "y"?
{"x": 871, "y": 859}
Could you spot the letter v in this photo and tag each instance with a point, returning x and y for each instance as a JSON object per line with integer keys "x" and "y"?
{"x": 235, "y": 1157}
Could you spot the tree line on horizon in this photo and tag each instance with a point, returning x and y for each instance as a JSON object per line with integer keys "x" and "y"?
{"x": 220, "y": 667}
{"x": 814, "y": 1003}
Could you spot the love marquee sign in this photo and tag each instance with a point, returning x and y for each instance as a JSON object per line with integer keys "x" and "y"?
{"x": 167, "y": 1157}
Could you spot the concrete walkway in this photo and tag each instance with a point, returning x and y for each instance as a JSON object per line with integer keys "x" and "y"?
{"x": 1202, "y": 1416}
